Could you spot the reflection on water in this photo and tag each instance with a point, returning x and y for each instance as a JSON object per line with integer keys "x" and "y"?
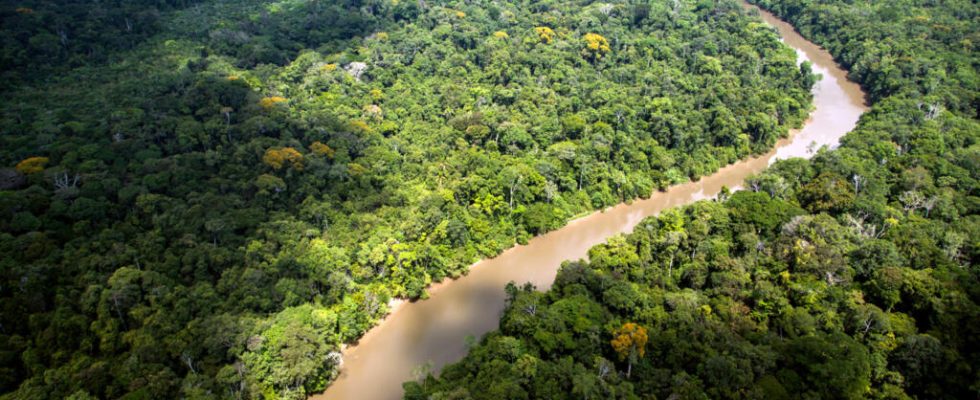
{"x": 435, "y": 329}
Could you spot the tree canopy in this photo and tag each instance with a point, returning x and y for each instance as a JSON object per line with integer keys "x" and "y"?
{"x": 207, "y": 199}
{"x": 852, "y": 275}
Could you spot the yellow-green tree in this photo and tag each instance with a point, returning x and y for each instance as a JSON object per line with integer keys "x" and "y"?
{"x": 31, "y": 165}
{"x": 630, "y": 341}
{"x": 322, "y": 149}
{"x": 595, "y": 46}
{"x": 278, "y": 157}
{"x": 545, "y": 33}
{"x": 269, "y": 102}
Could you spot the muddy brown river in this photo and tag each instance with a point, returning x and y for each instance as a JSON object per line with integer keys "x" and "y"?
{"x": 435, "y": 330}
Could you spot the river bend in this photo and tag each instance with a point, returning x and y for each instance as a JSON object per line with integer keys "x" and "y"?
{"x": 435, "y": 330}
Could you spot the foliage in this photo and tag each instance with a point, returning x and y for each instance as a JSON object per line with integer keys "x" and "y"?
{"x": 278, "y": 157}
{"x": 321, "y": 149}
{"x": 546, "y": 34}
{"x": 748, "y": 312}
{"x": 188, "y": 209}
{"x": 32, "y": 165}
{"x": 269, "y": 102}
{"x": 156, "y": 255}
{"x": 629, "y": 341}
{"x": 595, "y": 46}
{"x": 841, "y": 277}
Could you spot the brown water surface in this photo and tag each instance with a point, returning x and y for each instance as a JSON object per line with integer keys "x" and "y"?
{"x": 434, "y": 330}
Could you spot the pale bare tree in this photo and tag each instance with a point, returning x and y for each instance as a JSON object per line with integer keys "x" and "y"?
{"x": 911, "y": 200}
{"x": 858, "y": 181}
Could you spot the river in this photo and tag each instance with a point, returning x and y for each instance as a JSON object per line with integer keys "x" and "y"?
{"x": 435, "y": 330}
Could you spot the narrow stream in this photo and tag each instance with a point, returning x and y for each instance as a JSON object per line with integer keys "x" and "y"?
{"x": 436, "y": 329}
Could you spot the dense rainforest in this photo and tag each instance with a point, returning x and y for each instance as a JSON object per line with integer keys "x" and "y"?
{"x": 849, "y": 276}
{"x": 206, "y": 199}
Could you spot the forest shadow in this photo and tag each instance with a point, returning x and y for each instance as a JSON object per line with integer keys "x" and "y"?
{"x": 44, "y": 40}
